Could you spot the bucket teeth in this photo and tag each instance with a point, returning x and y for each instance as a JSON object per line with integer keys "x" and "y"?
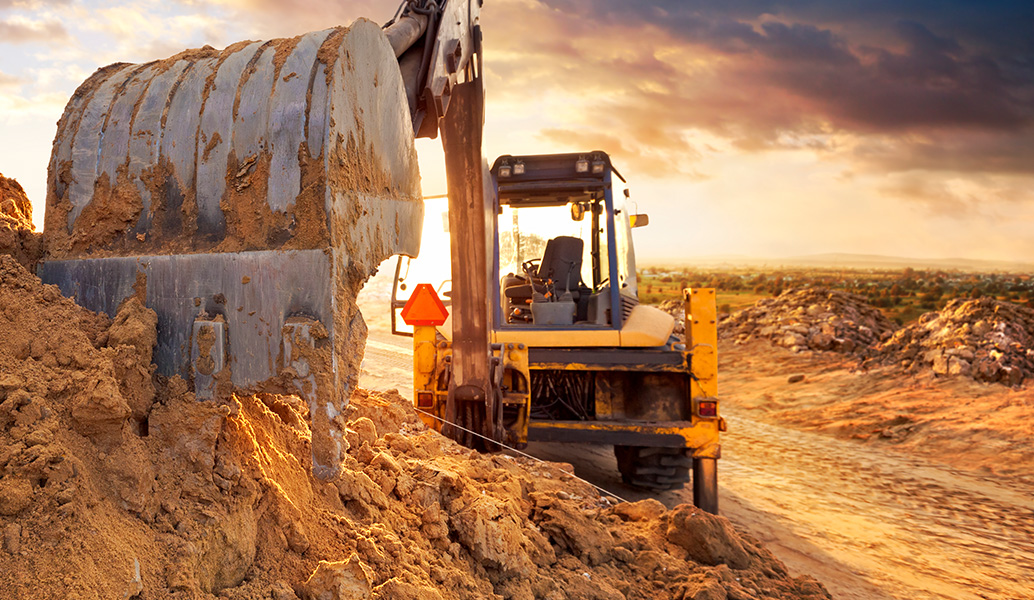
{"x": 208, "y": 355}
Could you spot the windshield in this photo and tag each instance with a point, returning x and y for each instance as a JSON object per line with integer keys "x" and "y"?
{"x": 523, "y": 233}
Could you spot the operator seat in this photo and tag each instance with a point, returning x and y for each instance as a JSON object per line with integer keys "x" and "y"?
{"x": 561, "y": 262}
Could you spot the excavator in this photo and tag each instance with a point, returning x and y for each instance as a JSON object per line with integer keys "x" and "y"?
{"x": 246, "y": 195}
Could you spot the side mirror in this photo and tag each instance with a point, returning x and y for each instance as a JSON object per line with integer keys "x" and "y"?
{"x": 577, "y": 211}
{"x": 639, "y": 220}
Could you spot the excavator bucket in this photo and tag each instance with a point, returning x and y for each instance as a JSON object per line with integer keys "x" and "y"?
{"x": 245, "y": 195}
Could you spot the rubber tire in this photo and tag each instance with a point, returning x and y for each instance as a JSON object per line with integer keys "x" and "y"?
{"x": 655, "y": 469}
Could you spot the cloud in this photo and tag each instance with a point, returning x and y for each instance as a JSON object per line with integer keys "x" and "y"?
{"x": 9, "y": 81}
{"x": 752, "y": 74}
{"x": 4, "y": 4}
{"x": 990, "y": 198}
{"x": 17, "y": 30}
{"x": 12, "y": 105}
{"x": 264, "y": 19}
{"x": 671, "y": 157}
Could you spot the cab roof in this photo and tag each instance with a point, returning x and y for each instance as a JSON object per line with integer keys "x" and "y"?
{"x": 552, "y": 179}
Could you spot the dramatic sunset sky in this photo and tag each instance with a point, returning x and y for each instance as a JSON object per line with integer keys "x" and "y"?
{"x": 750, "y": 127}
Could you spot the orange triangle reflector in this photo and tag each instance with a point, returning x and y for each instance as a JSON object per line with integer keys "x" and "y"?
{"x": 424, "y": 307}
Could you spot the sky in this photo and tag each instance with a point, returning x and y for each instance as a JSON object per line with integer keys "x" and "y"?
{"x": 760, "y": 128}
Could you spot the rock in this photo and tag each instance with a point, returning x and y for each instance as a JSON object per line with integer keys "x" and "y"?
{"x": 958, "y": 366}
{"x": 134, "y": 325}
{"x": 130, "y": 471}
{"x": 572, "y": 530}
{"x": 792, "y": 339}
{"x": 99, "y": 411}
{"x": 15, "y": 495}
{"x": 491, "y": 535}
{"x": 396, "y": 589}
{"x": 297, "y": 540}
{"x": 708, "y": 539}
{"x": 136, "y": 583}
{"x": 366, "y": 431}
{"x": 356, "y": 485}
{"x": 227, "y": 550}
{"x": 344, "y": 580}
{"x": 821, "y": 341}
{"x": 13, "y": 538}
{"x": 986, "y": 370}
{"x": 795, "y": 378}
{"x": 1011, "y": 376}
{"x": 707, "y": 588}
{"x": 134, "y": 381}
{"x": 282, "y": 591}
{"x": 644, "y": 510}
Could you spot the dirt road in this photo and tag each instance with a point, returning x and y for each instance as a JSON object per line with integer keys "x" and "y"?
{"x": 868, "y": 523}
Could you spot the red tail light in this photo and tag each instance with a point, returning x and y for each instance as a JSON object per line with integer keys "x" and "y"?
{"x": 707, "y": 408}
{"x": 425, "y": 399}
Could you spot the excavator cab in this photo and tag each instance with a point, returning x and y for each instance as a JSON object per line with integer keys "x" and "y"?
{"x": 560, "y": 236}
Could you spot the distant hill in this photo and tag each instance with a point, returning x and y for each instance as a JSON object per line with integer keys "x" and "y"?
{"x": 847, "y": 261}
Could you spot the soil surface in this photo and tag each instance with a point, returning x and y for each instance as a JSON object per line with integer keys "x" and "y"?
{"x": 878, "y": 484}
{"x": 117, "y": 483}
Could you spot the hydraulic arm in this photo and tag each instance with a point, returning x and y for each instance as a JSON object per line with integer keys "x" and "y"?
{"x": 439, "y": 50}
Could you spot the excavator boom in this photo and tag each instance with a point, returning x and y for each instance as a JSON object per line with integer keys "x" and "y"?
{"x": 445, "y": 90}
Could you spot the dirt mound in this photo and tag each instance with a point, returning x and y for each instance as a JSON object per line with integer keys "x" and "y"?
{"x": 112, "y": 487}
{"x": 14, "y": 204}
{"x": 810, "y": 318}
{"x": 17, "y": 237}
{"x": 677, "y": 309}
{"x": 985, "y": 339}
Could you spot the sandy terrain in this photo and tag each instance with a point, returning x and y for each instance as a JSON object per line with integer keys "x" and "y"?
{"x": 117, "y": 483}
{"x": 879, "y": 484}
{"x": 951, "y": 420}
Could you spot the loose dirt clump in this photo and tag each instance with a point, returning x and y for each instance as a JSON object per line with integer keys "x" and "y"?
{"x": 17, "y": 235}
{"x": 104, "y": 494}
{"x": 810, "y": 319}
{"x": 984, "y": 339}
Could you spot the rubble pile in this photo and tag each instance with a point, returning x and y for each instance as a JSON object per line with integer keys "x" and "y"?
{"x": 810, "y": 318}
{"x": 985, "y": 339}
{"x": 113, "y": 486}
{"x": 17, "y": 236}
{"x": 677, "y": 309}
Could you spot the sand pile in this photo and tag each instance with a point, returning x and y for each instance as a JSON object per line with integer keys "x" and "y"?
{"x": 985, "y": 339}
{"x": 810, "y": 319}
{"x": 17, "y": 237}
{"x": 112, "y": 487}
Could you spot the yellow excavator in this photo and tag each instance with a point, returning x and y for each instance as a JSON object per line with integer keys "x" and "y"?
{"x": 246, "y": 194}
{"x": 574, "y": 356}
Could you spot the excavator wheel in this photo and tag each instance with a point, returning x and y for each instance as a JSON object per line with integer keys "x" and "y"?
{"x": 657, "y": 469}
